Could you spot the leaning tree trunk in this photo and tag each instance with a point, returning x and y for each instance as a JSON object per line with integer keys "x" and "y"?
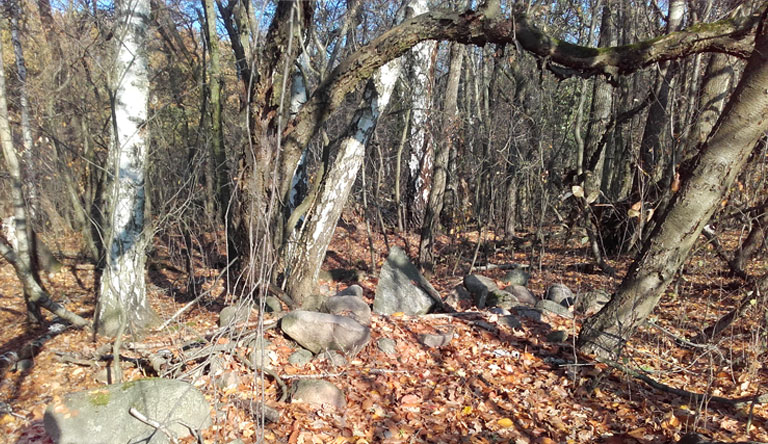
{"x": 21, "y": 258}
{"x": 305, "y": 259}
{"x": 122, "y": 294}
{"x": 707, "y": 179}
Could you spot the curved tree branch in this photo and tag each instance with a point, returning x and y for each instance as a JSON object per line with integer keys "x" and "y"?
{"x": 733, "y": 35}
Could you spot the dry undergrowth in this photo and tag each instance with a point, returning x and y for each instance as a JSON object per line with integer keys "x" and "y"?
{"x": 486, "y": 386}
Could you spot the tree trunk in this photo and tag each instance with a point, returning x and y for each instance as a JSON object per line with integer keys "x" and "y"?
{"x": 705, "y": 183}
{"x": 21, "y": 259}
{"x": 122, "y": 304}
{"x": 331, "y": 196}
{"x": 420, "y": 62}
{"x": 220, "y": 177}
{"x": 440, "y": 175}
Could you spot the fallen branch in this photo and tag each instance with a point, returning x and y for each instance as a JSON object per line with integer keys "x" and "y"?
{"x": 696, "y": 397}
{"x": 152, "y": 423}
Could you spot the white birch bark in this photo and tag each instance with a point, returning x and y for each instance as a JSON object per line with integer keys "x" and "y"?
{"x": 420, "y": 162}
{"x": 307, "y": 256}
{"x": 122, "y": 296}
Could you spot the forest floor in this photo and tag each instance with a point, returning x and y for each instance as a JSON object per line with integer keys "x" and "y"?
{"x": 484, "y": 387}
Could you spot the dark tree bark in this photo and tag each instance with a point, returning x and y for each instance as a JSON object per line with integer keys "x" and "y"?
{"x": 705, "y": 182}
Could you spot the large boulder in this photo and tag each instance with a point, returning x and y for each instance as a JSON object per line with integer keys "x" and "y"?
{"x": 396, "y": 291}
{"x": 101, "y": 416}
{"x": 348, "y": 305}
{"x": 319, "y": 332}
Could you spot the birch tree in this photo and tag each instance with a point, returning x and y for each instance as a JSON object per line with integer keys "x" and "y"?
{"x": 122, "y": 300}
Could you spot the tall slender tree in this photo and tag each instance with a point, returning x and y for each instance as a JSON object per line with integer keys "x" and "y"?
{"x": 122, "y": 300}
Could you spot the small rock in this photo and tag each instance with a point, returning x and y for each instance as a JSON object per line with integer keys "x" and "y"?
{"x": 22, "y": 365}
{"x": 300, "y": 357}
{"x": 435, "y": 340}
{"x": 592, "y": 301}
{"x": 500, "y": 298}
{"x": 272, "y": 305}
{"x": 313, "y": 302}
{"x": 387, "y": 346}
{"x": 510, "y": 321}
{"x": 459, "y": 296}
{"x": 561, "y": 294}
{"x": 554, "y": 307}
{"x": 260, "y": 352}
{"x": 232, "y": 315}
{"x": 557, "y": 336}
{"x": 349, "y": 305}
{"x": 333, "y": 357}
{"x": 318, "y": 392}
{"x": 523, "y": 295}
{"x": 499, "y": 311}
{"x": 480, "y": 287}
{"x": 516, "y": 276}
{"x": 352, "y": 290}
{"x": 528, "y": 312}
{"x": 226, "y": 379}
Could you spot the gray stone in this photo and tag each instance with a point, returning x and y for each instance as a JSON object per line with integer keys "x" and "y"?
{"x": 436, "y": 340}
{"x": 561, "y": 294}
{"x": 23, "y": 364}
{"x": 272, "y": 305}
{"x": 557, "y": 336}
{"x": 553, "y": 307}
{"x": 528, "y": 312}
{"x": 333, "y": 357}
{"x": 349, "y": 305}
{"x": 322, "y": 331}
{"x": 516, "y": 276}
{"x": 233, "y": 315}
{"x": 499, "y": 311}
{"x": 479, "y": 286}
{"x": 510, "y": 321}
{"x": 300, "y": 357}
{"x": 523, "y": 295}
{"x": 591, "y": 302}
{"x": 457, "y": 296}
{"x": 341, "y": 275}
{"x": 226, "y": 379}
{"x": 352, "y": 290}
{"x": 101, "y": 416}
{"x": 259, "y": 352}
{"x": 318, "y": 392}
{"x": 396, "y": 291}
{"x": 501, "y": 299}
{"x": 313, "y": 302}
{"x": 387, "y": 346}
